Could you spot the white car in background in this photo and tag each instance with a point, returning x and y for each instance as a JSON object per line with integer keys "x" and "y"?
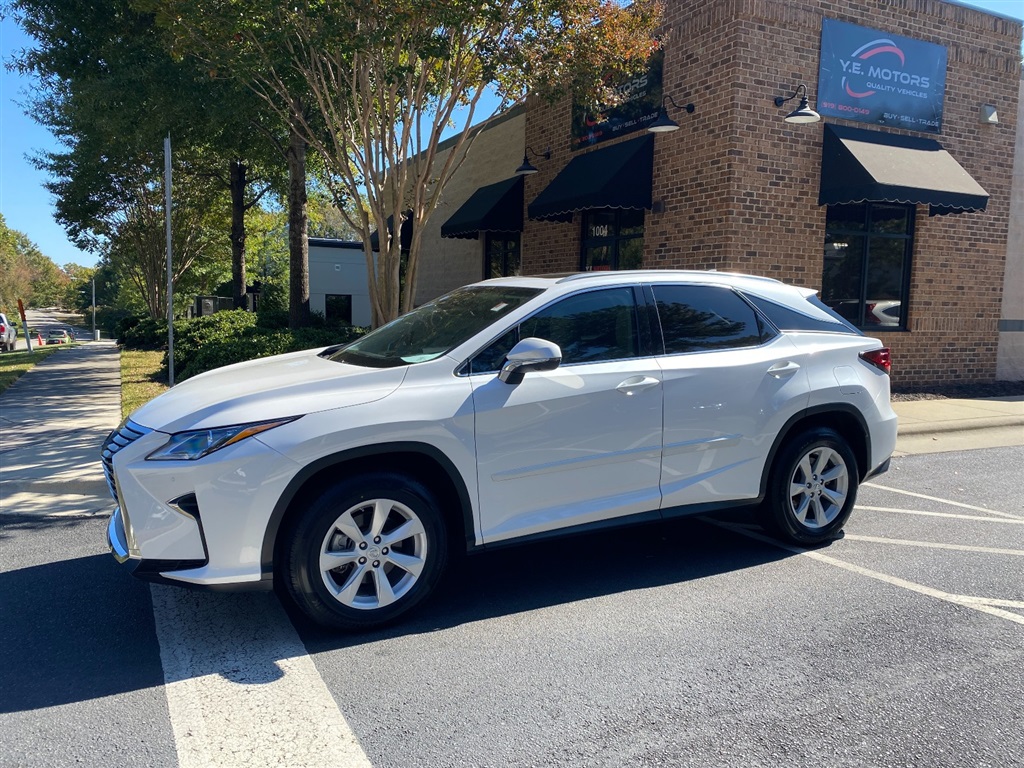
{"x": 506, "y": 410}
{"x": 8, "y": 334}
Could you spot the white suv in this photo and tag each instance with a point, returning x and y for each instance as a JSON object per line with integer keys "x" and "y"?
{"x": 505, "y": 410}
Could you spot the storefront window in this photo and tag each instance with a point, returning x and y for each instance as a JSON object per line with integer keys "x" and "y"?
{"x": 501, "y": 255}
{"x": 612, "y": 239}
{"x": 867, "y": 263}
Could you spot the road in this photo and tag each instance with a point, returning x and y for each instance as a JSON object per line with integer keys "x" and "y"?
{"x": 697, "y": 642}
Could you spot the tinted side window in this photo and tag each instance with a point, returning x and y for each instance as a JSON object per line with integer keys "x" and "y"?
{"x": 786, "y": 319}
{"x": 589, "y": 327}
{"x": 699, "y": 318}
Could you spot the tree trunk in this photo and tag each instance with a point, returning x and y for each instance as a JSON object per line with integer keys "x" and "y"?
{"x": 237, "y": 185}
{"x": 298, "y": 225}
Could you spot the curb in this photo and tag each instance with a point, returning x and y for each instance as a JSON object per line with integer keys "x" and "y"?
{"x": 76, "y": 487}
{"x": 961, "y": 425}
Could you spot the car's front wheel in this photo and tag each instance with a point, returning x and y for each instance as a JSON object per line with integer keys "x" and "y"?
{"x": 366, "y": 551}
{"x": 812, "y": 489}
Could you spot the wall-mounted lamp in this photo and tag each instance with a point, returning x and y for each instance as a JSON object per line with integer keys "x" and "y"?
{"x": 989, "y": 114}
{"x": 665, "y": 124}
{"x": 527, "y": 167}
{"x": 803, "y": 113}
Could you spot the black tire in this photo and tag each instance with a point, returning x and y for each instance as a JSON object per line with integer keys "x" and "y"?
{"x": 379, "y": 577}
{"x": 812, "y": 488}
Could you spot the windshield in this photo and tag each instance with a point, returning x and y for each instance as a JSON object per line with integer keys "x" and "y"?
{"x": 429, "y": 331}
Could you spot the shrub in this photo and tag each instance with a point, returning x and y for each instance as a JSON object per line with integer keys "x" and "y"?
{"x": 142, "y": 333}
{"x": 192, "y": 335}
{"x": 255, "y": 343}
{"x": 234, "y": 350}
{"x": 272, "y": 319}
{"x": 110, "y": 319}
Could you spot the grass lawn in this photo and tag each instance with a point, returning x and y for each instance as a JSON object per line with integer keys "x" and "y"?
{"x": 141, "y": 379}
{"x": 14, "y": 364}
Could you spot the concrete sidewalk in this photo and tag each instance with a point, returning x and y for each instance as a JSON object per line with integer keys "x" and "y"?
{"x": 54, "y": 419}
{"x": 934, "y": 426}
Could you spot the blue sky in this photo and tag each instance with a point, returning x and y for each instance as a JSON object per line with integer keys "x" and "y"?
{"x": 28, "y": 207}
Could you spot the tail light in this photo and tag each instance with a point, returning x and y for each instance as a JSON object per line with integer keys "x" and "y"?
{"x": 880, "y": 358}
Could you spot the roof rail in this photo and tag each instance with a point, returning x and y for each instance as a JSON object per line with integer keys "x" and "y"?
{"x": 655, "y": 273}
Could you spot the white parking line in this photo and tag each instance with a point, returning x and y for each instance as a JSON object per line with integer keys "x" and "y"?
{"x": 974, "y": 603}
{"x": 943, "y": 501}
{"x": 935, "y": 545}
{"x": 242, "y": 690}
{"x": 941, "y": 514}
{"x": 995, "y": 601}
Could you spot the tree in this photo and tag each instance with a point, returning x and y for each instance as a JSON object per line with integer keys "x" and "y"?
{"x": 110, "y": 91}
{"x": 27, "y": 274}
{"x": 381, "y": 80}
{"x": 16, "y": 252}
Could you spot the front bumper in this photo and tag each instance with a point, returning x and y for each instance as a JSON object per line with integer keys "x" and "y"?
{"x": 195, "y": 523}
{"x": 117, "y": 540}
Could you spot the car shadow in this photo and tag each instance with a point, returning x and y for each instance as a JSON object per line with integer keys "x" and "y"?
{"x": 74, "y": 630}
{"x": 539, "y": 575}
{"x": 83, "y": 628}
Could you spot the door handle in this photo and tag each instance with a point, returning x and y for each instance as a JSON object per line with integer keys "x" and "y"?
{"x": 787, "y": 368}
{"x": 637, "y": 384}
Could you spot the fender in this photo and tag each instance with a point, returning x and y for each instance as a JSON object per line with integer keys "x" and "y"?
{"x": 816, "y": 413}
{"x": 356, "y": 454}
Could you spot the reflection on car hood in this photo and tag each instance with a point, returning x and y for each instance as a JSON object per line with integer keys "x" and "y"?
{"x": 268, "y": 388}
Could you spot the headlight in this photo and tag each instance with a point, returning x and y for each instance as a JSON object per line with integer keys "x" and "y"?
{"x": 189, "y": 446}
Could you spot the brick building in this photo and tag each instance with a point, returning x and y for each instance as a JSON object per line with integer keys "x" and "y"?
{"x": 900, "y": 220}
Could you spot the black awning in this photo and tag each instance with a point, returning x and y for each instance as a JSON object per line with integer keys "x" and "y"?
{"x": 494, "y": 208}
{"x": 869, "y": 166}
{"x": 405, "y": 233}
{"x": 618, "y": 176}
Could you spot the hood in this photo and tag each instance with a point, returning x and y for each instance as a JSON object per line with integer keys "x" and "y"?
{"x": 294, "y": 384}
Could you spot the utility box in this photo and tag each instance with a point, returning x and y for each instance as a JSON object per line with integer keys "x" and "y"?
{"x": 208, "y": 305}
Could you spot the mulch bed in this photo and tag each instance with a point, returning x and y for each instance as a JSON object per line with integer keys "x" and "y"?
{"x": 964, "y": 390}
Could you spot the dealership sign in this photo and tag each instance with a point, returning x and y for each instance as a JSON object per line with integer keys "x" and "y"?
{"x": 877, "y": 77}
{"x": 637, "y": 104}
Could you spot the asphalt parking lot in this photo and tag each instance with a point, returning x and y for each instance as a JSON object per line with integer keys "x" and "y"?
{"x": 693, "y": 642}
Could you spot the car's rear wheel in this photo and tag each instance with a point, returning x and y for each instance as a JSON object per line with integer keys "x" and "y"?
{"x": 812, "y": 489}
{"x": 366, "y": 551}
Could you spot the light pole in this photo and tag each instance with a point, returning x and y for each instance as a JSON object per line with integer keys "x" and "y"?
{"x": 94, "y": 309}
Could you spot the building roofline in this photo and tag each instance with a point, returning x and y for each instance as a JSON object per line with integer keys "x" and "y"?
{"x": 332, "y": 242}
{"x": 969, "y": 7}
{"x": 490, "y": 122}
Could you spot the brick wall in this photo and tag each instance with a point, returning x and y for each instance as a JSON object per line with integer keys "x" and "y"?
{"x": 739, "y": 186}
{"x": 447, "y": 263}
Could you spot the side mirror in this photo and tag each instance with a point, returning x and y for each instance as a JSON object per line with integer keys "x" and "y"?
{"x": 530, "y": 354}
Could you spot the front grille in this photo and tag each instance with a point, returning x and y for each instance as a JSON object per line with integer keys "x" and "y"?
{"x": 120, "y": 438}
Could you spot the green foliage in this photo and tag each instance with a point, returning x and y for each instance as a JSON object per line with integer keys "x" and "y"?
{"x": 227, "y": 337}
{"x": 385, "y": 80}
{"x": 272, "y": 319}
{"x": 190, "y": 336}
{"x": 204, "y": 343}
{"x": 110, "y": 320}
{"x": 107, "y": 87}
{"x": 141, "y": 333}
{"x": 27, "y": 274}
